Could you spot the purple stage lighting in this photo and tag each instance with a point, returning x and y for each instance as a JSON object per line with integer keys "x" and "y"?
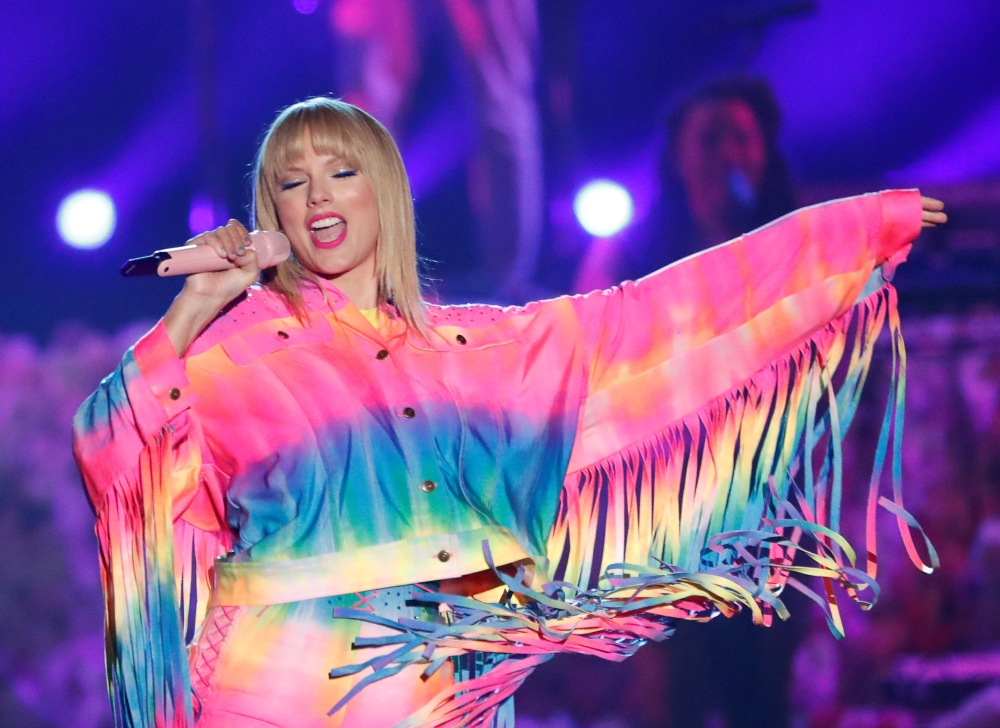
{"x": 603, "y": 208}
{"x": 205, "y": 215}
{"x": 86, "y": 219}
{"x": 305, "y": 7}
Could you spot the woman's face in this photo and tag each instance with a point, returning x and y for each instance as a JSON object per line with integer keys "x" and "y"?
{"x": 328, "y": 211}
{"x": 719, "y": 138}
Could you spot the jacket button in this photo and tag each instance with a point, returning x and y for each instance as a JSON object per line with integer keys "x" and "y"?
{"x": 409, "y": 413}
{"x": 175, "y": 393}
{"x": 283, "y": 334}
{"x": 428, "y": 486}
{"x": 460, "y": 339}
{"x": 443, "y": 556}
{"x": 382, "y": 354}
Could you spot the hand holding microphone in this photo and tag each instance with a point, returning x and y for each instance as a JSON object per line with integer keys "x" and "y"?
{"x": 220, "y": 265}
{"x": 217, "y": 250}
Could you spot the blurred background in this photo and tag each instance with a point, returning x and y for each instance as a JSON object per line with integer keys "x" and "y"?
{"x": 553, "y": 146}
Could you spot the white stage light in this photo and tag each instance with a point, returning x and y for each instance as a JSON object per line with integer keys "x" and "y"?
{"x": 86, "y": 219}
{"x": 603, "y": 208}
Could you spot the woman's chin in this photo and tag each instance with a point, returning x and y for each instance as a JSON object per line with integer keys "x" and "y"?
{"x": 335, "y": 262}
{"x": 324, "y": 263}
{"x": 329, "y": 272}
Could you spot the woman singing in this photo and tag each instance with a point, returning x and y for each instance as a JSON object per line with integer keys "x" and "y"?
{"x": 324, "y": 502}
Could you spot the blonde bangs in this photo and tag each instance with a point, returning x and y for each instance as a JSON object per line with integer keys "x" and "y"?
{"x": 328, "y": 134}
{"x": 344, "y": 131}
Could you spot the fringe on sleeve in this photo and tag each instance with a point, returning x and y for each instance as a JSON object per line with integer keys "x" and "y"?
{"x": 718, "y": 512}
{"x": 155, "y": 577}
{"x": 733, "y": 490}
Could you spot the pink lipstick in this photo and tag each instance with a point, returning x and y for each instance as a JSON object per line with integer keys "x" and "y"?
{"x": 322, "y": 226}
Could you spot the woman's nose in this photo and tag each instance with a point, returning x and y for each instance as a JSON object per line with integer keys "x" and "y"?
{"x": 319, "y": 193}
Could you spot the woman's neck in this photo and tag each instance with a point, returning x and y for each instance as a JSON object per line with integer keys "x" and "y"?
{"x": 360, "y": 285}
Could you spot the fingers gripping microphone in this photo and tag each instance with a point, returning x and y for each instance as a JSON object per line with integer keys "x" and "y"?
{"x": 271, "y": 248}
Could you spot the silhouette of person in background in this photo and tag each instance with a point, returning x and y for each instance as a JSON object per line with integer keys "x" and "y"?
{"x": 721, "y": 175}
{"x": 724, "y": 154}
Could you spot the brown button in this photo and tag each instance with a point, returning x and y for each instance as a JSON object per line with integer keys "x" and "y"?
{"x": 460, "y": 339}
{"x": 428, "y": 486}
{"x": 409, "y": 413}
{"x": 175, "y": 393}
{"x": 283, "y": 334}
{"x": 382, "y": 354}
{"x": 443, "y": 556}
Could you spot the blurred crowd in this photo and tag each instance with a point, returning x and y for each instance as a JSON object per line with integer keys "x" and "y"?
{"x": 51, "y": 607}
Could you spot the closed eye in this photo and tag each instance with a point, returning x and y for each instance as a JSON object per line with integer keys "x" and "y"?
{"x": 345, "y": 173}
{"x": 290, "y": 185}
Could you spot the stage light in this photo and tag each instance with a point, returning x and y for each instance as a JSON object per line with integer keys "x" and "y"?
{"x": 306, "y": 6}
{"x": 86, "y": 219}
{"x": 603, "y": 208}
{"x": 206, "y": 215}
{"x": 201, "y": 217}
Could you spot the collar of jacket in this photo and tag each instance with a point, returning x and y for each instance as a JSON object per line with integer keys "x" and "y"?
{"x": 351, "y": 317}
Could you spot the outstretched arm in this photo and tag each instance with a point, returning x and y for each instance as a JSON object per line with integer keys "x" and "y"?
{"x": 665, "y": 345}
{"x": 711, "y": 383}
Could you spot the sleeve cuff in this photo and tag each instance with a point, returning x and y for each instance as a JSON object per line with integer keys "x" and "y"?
{"x": 164, "y": 372}
{"x": 902, "y": 215}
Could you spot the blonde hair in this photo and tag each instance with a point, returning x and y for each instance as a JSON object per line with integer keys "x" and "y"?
{"x": 345, "y": 131}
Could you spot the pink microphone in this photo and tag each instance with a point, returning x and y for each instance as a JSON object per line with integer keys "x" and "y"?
{"x": 271, "y": 248}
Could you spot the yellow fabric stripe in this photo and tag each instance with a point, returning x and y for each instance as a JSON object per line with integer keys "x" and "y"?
{"x": 409, "y": 561}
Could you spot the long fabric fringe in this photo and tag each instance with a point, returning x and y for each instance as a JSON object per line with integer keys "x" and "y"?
{"x": 152, "y": 600}
{"x": 717, "y": 513}
{"x": 740, "y": 474}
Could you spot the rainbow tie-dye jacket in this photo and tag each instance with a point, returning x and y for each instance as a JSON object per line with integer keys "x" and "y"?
{"x": 637, "y": 426}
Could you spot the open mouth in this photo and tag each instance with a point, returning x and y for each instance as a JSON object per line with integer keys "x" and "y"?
{"x": 328, "y": 231}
